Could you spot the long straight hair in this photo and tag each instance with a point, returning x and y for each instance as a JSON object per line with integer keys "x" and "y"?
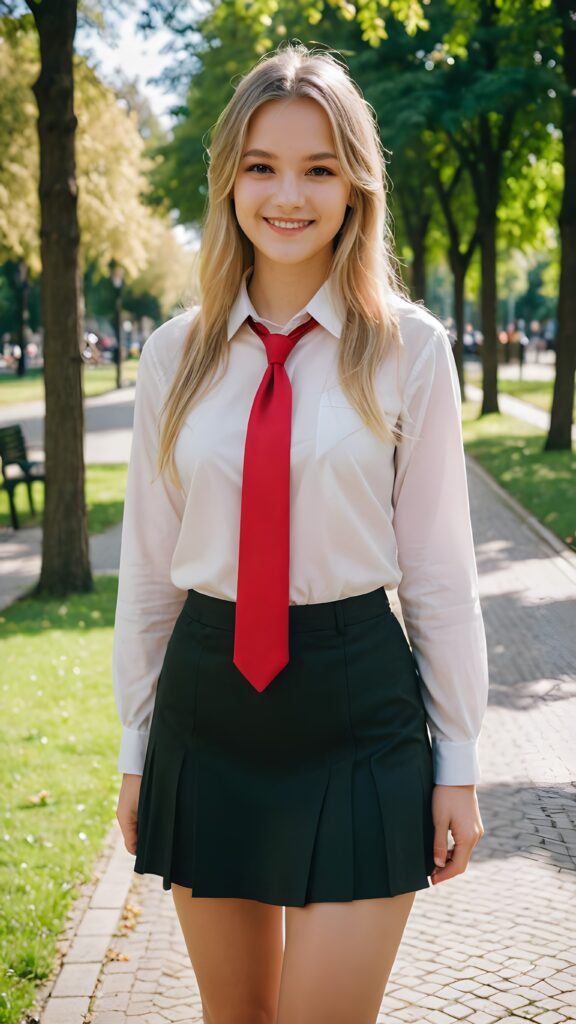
{"x": 364, "y": 267}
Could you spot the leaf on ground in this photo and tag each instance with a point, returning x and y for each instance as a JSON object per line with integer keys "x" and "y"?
{"x": 115, "y": 954}
{"x": 42, "y": 797}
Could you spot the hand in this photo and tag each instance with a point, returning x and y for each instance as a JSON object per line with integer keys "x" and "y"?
{"x": 455, "y": 808}
{"x": 127, "y": 810}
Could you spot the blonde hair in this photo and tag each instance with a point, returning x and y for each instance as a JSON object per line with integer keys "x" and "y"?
{"x": 363, "y": 267}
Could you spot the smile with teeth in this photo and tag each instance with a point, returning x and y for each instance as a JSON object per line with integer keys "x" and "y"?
{"x": 290, "y": 225}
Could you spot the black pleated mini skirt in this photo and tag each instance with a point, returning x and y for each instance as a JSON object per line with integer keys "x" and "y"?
{"x": 318, "y": 788}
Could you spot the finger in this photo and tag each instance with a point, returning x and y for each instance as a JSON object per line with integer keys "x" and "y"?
{"x": 129, "y": 834}
{"x": 130, "y": 841}
{"x": 440, "y": 845}
{"x": 456, "y": 863}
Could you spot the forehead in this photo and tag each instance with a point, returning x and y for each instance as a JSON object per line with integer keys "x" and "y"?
{"x": 290, "y": 124}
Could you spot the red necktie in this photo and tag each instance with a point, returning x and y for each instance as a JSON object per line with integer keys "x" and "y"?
{"x": 262, "y": 618}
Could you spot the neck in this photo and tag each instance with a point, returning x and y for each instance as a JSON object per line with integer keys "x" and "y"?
{"x": 278, "y": 291}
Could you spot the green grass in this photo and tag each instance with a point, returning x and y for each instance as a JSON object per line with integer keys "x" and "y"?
{"x": 97, "y": 380}
{"x": 59, "y": 735}
{"x": 535, "y": 392}
{"x": 511, "y": 451}
{"x": 105, "y": 488}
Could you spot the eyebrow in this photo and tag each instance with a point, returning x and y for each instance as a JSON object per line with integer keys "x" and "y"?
{"x": 272, "y": 156}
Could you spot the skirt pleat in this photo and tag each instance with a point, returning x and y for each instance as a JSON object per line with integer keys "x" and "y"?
{"x": 318, "y": 788}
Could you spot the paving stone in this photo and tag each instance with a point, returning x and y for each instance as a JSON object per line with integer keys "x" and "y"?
{"x": 113, "y": 1001}
{"x": 122, "y": 966}
{"x": 109, "y": 895}
{"x": 117, "y": 983}
{"x": 76, "y": 980}
{"x": 438, "y": 1017}
{"x": 569, "y": 998}
{"x": 64, "y": 1010}
{"x": 509, "y": 1000}
{"x": 479, "y": 1017}
{"x": 90, "y": 949}
{"x": 458, "y": 1010}
{"x": 98, "y": 922}
{"x": 177, "y": 1013}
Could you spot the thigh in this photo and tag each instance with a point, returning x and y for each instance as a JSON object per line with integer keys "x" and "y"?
{"x": 338, "y": 957}
{"x": 235, "y": 948}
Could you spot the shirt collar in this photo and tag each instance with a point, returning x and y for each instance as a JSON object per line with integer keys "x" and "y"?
{"x": 326, "y": 306}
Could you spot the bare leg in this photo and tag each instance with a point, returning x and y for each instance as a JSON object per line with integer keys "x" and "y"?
{"x": 235, "y": 947}
{"x": 338, "y": 958}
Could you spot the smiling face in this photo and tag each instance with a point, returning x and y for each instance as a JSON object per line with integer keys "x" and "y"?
{"x": 289, "y": 172}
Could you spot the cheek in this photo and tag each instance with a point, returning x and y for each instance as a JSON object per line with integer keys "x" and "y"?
{"x": 332, "y": 207}
{"x": 247, "y": 193}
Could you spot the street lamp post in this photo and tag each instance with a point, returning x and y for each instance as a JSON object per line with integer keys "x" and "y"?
{"x": 117, "y": 279}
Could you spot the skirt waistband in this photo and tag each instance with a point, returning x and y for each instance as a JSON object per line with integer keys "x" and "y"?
{"x": 215, "y": 611}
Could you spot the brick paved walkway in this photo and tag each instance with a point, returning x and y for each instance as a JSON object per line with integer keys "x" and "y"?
{"x": 499, "y": 942}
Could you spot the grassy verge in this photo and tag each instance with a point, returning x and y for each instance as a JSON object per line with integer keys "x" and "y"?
{"x": 511, "y": 451}
{"x": 97, "y": 380}
{"x": 59, "y": 736}
{"x": 535, "y": 392}
{"x": 105, "y": 488}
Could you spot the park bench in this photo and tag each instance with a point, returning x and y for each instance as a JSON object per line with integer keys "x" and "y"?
{"x": 17, "y": 468}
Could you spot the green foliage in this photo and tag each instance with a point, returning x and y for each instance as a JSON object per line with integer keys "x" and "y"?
{"x": 117, "y": 213}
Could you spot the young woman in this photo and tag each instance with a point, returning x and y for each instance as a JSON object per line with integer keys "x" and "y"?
{"x": 297, "y": 452}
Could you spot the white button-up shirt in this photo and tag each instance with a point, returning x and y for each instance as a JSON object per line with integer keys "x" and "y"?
{"x": 364, "y": 513}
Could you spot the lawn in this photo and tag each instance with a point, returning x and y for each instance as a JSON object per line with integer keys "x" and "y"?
{"x": 511, "y": 451}
{"x": 97, "y": 380}
{"x": 536, "y": 392}
{"x": 105, "y": 488}
{"x": 59, "y": 735}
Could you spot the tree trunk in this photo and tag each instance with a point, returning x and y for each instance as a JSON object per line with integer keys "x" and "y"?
{"x": 416, "y": 224}
{"x": 560, "y": 431}
{"x": 65, "y": 551}
{"x": 459, "y": 262}
{"x": 459, "y": 274}
{"x": 418, "y": 243}
{"x": 488, "y": 306}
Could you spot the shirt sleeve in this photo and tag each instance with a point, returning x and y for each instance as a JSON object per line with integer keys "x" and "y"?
{"x": 148, "y": 603}
{"x": 438, "y": 591}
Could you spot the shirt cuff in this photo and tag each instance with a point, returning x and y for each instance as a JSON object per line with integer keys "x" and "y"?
{"x": 132, "y": 751}
{"x": 455, "y": 764}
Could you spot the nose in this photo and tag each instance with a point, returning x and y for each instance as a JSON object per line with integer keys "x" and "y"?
{"x": 290, "y": 191}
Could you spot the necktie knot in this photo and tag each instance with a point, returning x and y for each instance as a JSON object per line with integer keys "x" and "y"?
{"x": 279, "y": 346}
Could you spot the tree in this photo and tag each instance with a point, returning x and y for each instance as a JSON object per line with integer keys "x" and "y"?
{"x": 560, "y": 431}
{"x": 65, "y": 552}
{"x": 105, "y": 191}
